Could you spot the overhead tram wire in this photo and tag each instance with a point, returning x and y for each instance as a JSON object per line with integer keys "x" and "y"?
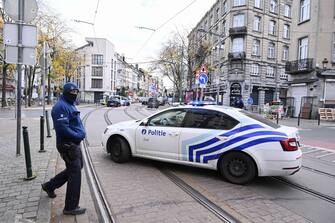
{"x": 161, "y": 26}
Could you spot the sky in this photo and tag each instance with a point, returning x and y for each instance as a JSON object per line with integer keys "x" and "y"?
{"x": 117, "y": 21}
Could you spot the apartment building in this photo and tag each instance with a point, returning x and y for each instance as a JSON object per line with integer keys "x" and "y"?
{"x": 312, "y": 57}
{"x": 96, "y": 73}
{"x": 249, "y": 45}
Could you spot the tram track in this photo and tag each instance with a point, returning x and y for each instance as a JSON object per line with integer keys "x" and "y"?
{"x": 102, "y": 208}
{"x": 196, "y": 195}
{"x": 302, "y": 188}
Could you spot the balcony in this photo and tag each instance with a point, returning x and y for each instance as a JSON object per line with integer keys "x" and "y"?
{"x": 235, "y": 31}
{"x": 299, "y": 66}
{"x": 236, "y": 56}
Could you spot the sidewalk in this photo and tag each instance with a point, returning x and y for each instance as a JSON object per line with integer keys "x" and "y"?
{"x": 24, "y": 201}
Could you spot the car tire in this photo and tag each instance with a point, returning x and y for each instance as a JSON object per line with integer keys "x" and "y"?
{"x": 119, "y": 150}
{"x": 237, "y": 167}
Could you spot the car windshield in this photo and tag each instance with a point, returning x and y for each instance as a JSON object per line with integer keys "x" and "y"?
{"x": 260, "y": 119}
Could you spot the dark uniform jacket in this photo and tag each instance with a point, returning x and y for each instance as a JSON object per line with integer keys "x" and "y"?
{"x": 67, "y": 122}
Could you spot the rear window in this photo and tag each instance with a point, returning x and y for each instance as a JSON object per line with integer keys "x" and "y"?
{"x": 260, "y": 119}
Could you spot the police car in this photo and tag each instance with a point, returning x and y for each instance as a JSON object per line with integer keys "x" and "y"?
{"x": 239, "y": 144}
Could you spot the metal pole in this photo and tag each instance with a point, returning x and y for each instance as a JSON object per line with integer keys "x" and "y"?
{"x": 48, "y": 124}
{"x": 277, "y": 117}
{"x": 319, "y": 118}
{"x": 41, "y": 135}
{"x": 45, "y": 67}
{"x": 299, "y": 119}
{"x": 19, "y": 78}
{"x": 30, "y": 175}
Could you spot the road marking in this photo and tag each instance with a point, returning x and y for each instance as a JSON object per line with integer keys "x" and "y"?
{"x": 325, "y": 155}
{"x": 320, "y": 148}
{"x": 313, "y": 150}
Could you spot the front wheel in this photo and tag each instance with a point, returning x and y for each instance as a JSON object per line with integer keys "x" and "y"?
{"x": 119, "y": 150}
{"x": 237, "y": 168}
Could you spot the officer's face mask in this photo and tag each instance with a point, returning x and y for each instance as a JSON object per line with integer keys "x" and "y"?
{"x": 72, "y": 95}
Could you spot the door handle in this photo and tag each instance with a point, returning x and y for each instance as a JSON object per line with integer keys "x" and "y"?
{"x": 174, "y": 134}
{"x": 146, "y": 139}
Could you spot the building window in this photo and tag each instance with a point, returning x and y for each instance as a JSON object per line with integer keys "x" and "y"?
{"x": 273, "y": 6}
{"x": 333, "y": 49}
{"x": 254, "y": 69}
{"x": 256, "y": 47}
{"x": 304, "y": 10}
{"x": 238, "y": 45}
{"x": 258, "y": 3}
{"x": 217, "y": 15}
{"x": 272, "y": 27}
{"x": 283, "y": 75}
{"x": 285, "y": 52}
{"x": 286, "y": 33}
{"x": 239, "y": 2}
{"x": 97, "y": 72}
{"x": 210, "y": 21}
{"x": 96, "y": 83}
{"x": 224, "y": 27}
{"x": 97, "y": 59}
{"x": 270, "y": 71}
{"x": 257, "y": 23}
{"x": 303, "y": 48}
{"x": 287, "y": 10}
{"x": 224, "y": 7}
{"x": 271, "y": 51}
{"x": 238, "y": 20}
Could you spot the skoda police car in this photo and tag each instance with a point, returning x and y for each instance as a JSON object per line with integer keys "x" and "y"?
{"x": 238, "y": 144}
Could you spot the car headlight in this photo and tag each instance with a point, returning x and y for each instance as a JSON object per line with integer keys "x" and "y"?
{"x": 105, "y": 130}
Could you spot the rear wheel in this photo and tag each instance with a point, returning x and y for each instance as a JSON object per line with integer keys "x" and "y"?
{"x": 119, "y": 150}
{"x": 237, "y": 168}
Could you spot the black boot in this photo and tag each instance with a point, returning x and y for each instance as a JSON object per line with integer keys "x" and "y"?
{"x": 50, "y": 193}
{"x": 76, "y": 211}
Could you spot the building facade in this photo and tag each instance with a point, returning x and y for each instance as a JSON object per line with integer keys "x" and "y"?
{"x": 312, "y": 57}
{"x": 249, "y": 45}
{"x": 96, "y": 74}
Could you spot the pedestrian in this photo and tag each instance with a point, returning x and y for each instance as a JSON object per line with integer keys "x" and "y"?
{"x": 239, "y": 103}
{"x": 69, "y": 134}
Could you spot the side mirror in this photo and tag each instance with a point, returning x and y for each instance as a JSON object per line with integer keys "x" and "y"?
{"x": 145, "y": 122}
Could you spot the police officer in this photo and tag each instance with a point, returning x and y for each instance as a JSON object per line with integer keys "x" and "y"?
{"x": 69, "y": 132}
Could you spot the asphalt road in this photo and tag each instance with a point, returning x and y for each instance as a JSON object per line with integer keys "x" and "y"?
{"x": 147, "y": 191}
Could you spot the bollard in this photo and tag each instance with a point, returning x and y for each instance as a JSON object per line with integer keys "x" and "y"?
{"x": 277, "y": 118}
{"x": 41, "y": 135}
{"x": 30, "y": 175}
{"x": 299, "y": 119}
{"x": 48, "y": 124}
{"x": 319, "y": 118}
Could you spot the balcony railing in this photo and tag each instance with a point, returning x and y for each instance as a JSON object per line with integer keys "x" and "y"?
{"x": 238, "y": 31}
{"x": 236, "y": 55}
{"x": 299, "y": 66}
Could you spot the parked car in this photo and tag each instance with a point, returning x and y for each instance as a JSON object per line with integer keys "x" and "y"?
{"x": 113, "y": 102}
{"x": 144, "y": 101}
{"x": 153, "y": 103}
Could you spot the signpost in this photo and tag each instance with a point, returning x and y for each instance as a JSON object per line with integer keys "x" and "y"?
{"x": 20, "y": 42}
{"x": 203, "y": 79}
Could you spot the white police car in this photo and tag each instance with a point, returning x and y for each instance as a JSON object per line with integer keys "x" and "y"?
{"x": 239, "y": 144}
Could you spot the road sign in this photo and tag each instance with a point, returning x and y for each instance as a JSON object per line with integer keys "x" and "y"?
{"x": 30, "y": 9}
{"x": 29, "y": 35}
{"x": 203, "y": 69}
{"x": 250, "y": 101}
{"x": 203, "y": 78}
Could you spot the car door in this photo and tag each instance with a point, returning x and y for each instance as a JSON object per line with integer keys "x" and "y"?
{"x": 205, "y": 134}
{"x": 159, "y": 136}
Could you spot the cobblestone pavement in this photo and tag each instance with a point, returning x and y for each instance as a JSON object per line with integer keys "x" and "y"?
{"x": 21, "y": 200}
{"x": 85, "y": 201}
